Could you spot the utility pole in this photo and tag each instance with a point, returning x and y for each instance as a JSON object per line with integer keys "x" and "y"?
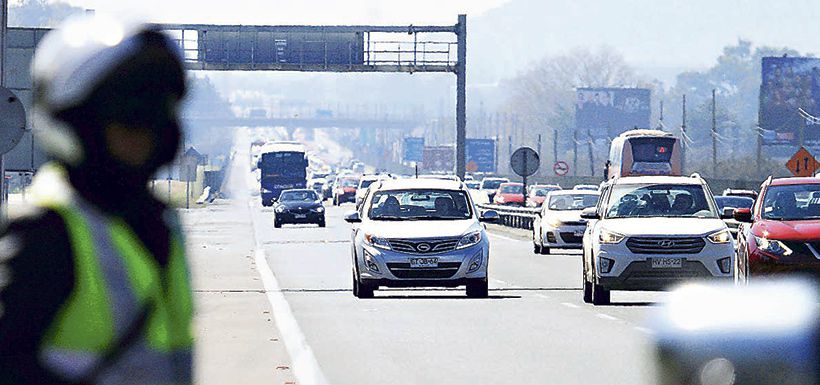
{"x": 591, "y": 157}
{"x": 539, "y": 151}
{"x": 554, "y": 145}
{"x": 683, "y": 139}
{"x": 461, "y": 98}
{"x": 714, "y": 134}
{"x": 575, "y": 152}
{"x": 4, "y": 21}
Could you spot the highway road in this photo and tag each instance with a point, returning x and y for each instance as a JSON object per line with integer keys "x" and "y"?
{"x": 533, "y": 329}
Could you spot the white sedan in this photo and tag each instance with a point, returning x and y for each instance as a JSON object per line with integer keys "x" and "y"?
{"x": 559, "y": 224}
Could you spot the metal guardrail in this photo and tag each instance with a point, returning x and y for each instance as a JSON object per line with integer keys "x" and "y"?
{"x": 511, "y": 216}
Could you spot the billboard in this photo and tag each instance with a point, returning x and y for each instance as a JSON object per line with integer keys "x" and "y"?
{"x": 413, "y": 150}
{"x": 480, "y": 155}
{"x": 439, "y": 159}
{"x": 608, "y": 112}
{"x": 252, "y": 46}
{"x": 788, "y": 85}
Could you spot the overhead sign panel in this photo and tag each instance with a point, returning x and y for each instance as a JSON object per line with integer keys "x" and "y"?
{"x": 789, "y": 84}
{"x": 480, "y": 155}
{"x": 608, "y": 112}
{"x": 413, "y": 149}
{"x": 439, "y": 159}
{"x": 252, "y": 46}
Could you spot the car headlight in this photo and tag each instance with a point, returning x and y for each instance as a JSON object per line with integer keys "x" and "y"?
{"x": 319, "y": 209}
{"x": 500, "y": 198}
{"x": 722, "y": 236}
{"x": 772, "y": 246}
{"x": 377, "y": 241}
{"x": 609, "y": 237}
{"x": 280, "y": 209}
{"x": 469, "y": 240}
{"x": 266, "y": 191}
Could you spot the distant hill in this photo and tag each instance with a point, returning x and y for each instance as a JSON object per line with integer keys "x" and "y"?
{"x": 659, "y": 38}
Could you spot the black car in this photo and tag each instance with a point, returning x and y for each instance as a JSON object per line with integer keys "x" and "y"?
{"x": 299, "y": 206}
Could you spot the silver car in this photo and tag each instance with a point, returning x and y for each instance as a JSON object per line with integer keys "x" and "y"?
{"x": 559, "y": 225}
{"x": 419, "y": 233}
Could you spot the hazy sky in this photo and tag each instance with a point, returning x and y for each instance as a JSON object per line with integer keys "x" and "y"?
{"x": 296, "y": 11}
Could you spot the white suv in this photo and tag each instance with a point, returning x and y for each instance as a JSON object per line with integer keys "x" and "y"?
{"x": 419, "y": 233}
{"x": 650, "y": 232}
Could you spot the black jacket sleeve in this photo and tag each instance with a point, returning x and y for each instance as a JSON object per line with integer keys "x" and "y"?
{"x": 36, "y": 279}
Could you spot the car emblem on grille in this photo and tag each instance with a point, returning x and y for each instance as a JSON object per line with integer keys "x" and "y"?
{"x": 423, "y": 247}
{"x": 666, "y": 243}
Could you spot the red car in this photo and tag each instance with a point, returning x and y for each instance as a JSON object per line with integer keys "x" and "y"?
{"x": 510, "y": 194}
{"x": 538, "y": 193}
{"x": 781, "y": 235}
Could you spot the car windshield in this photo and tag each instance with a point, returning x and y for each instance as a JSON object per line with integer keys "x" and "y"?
{"x": 473, "y": 185}
{"x": 660, "y": 200}
{"x": 734, "y": 202}
{"x": 512, "y": 189}
{"x": 298, "y": 196}
{"x": 792, "y": 202}
{"x": 542, "y": 192}
{"x": 349, "y": 183}
{"x": 421, "y": 204}
{"x": 366, "y": 183}
{"x": 572, "y": 202}
{"x": 492, "y": 184}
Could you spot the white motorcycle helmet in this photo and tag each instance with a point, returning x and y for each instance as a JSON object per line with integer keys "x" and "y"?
{"x": 99, "y": 69}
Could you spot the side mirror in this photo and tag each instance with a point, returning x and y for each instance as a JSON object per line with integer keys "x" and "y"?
{"x": 728, "y": 213}
{"x": 590, "y": 213}
{"x": 743, "y": 215}
{"x": 353, "y": 217}
{"x": 490, "y": 216}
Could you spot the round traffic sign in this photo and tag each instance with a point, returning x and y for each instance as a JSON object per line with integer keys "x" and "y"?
{"x": 561, "y": 168}
{"x": 12, "y": 120}
{"x": 525, "y": 161}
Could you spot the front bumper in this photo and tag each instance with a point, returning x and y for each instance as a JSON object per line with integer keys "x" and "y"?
{"x": 634, "y": 271}
{"x": 564, "y": 237}
{"x": 394, "y": 267}
{"x": 290, "y": 217}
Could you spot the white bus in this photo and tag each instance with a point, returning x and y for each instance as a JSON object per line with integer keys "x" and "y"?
{"x": 644, "y": 152}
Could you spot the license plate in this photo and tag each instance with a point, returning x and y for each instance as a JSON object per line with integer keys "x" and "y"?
{"x": 667, "y": 263}
{"x": 423, "y": 262}
{"x": 300, "y": 216}
{"x": 578, "y": 233}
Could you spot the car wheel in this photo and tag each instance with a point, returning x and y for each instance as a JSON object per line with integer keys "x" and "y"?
{"x": 545, "y": 250}
{"x": 587, "y": 291}
{"x": 322, "y": 223}
{"x": 600, "y": 295}
{"x": 362, "y": 290}
{"x": 536, "y": 248}
{"x": 277, "y": 224}
{"x": 478, "y": 289}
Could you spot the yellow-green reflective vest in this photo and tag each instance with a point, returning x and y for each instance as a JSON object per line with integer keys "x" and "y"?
{"x": 116, "y": 280}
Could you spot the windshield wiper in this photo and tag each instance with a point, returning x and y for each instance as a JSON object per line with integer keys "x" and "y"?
{"x": 388, "y": 218}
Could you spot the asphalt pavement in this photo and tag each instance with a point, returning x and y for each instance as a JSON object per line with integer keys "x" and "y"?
{"x": 534, "y": 328}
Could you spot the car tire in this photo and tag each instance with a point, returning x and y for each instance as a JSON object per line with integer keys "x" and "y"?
{"x": 600, "y": 295}
{"x": 267, "y": 204}
{"x": 277, "y": 224}
{"x": 536, "y": 248}
{"x": 478, "y": 289}
{"x": 545, "y": 250}
{"x": 362, "y": 290}
{"x": 587, "y": 291}
{"x": 322, "y": 223}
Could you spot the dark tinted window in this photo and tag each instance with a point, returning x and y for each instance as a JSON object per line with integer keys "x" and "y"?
{"x": 652, "y": 149}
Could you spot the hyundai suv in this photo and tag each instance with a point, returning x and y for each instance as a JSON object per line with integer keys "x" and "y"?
{"x": 419, "y": 233}
{"x": 651, "y": 232}
{"x": 781, "y": 235}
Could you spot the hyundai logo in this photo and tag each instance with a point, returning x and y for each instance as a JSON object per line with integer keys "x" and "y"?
{"x": 666, "y": 243}
{"x": 423, "y": 247}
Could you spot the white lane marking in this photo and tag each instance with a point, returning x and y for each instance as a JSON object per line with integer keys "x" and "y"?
{"x": 644, "y": 330}
{"x": 498, "y": 281}
{"x": 572, "y": 305}
{"x": 542, "y": 296}
{"x": 305, "y": 367}
{"x": 606, "y": 317}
